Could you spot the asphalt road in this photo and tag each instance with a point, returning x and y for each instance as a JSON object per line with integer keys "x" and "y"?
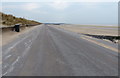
{"x": 50, "y": 51}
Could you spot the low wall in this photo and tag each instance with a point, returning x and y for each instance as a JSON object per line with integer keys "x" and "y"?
{"x": 7, "y": 29}
{"x": 111, "y": 38}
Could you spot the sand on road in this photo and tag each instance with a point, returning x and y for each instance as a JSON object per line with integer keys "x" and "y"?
{"x": 9, "y": 36}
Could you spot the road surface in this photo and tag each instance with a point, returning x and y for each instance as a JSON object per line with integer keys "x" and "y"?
{"x": 50, "y": 51}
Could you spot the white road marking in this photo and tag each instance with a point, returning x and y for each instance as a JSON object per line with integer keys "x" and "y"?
{"x": 8, "y": 50}
{"x": 15, "y": 44}
{"x": 5, "y": 73}
{"x": 11, "y": 67}
{"x": 8, "y": 57}
{"x": 28, "y": 43}
{"x": 28, "y": 47}
{"x": 60, "y": 61}
{"x": 5, "y": 66}
{"x": 16, "y": 61}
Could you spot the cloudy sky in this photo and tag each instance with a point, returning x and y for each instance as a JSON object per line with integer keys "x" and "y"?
{"x": 74, "y": 12}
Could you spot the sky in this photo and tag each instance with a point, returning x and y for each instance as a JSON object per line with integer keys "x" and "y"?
{"x": 74, "y": 12}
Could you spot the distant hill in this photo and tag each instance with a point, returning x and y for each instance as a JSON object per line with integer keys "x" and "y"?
{"x": 55, "y": 23}
{"x": 9, "y": 20}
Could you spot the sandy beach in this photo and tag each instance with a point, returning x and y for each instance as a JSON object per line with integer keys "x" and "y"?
{"x": 94, "y": 30}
